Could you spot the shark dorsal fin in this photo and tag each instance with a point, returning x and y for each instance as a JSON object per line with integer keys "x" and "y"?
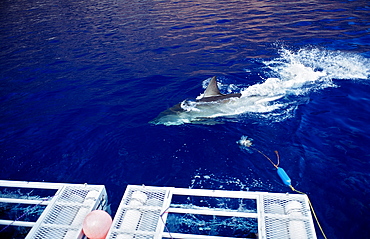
{"x": 212, "y": 89}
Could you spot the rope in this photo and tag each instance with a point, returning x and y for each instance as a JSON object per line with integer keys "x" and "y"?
{"x": 313, "y": 211}
{"x": 278, "y": 158}
{"x": 277, "y": 155}
{"x": 25, "y": 213}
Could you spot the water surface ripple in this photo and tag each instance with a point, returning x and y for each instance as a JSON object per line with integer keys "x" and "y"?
{"x": 80, "y": 80}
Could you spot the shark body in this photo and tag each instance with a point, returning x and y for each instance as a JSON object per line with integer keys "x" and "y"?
{"x": 200, "y": 111}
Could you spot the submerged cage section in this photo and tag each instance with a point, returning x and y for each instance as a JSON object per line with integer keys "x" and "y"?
{"x": 162, "y": 212}
{"x": 65, "y": 209}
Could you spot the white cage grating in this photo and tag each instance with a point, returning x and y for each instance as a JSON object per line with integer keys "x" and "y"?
{"x": 52, "y": 232}
{"x": 287, "y": 228}
{"x": 63, "y": 218}
{"x": 144, "y": 211}
{"x": 287, "y": 216}
{"x": 141, "y": 213}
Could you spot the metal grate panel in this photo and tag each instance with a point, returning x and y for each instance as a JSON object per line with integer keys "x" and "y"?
{"x": 287, "y": 216}
{"x": 64, "y": 217}
{"x": 138, "y": 215}
{"x": 52, "y": 233}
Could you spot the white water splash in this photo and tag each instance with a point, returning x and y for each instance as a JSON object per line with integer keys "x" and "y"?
{"x": 293, "y": 76}
{"x": 299, "y": 73}
{"x": 201, "y": 179}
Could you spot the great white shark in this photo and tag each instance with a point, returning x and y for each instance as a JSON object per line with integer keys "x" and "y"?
{"x": 201, "y": 111}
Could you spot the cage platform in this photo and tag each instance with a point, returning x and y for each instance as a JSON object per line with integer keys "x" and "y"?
{"x": 157, "y": 212}
{"x": 147, "y": 212}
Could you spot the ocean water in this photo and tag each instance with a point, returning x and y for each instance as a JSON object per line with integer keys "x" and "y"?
{"x": 82, "y": 81}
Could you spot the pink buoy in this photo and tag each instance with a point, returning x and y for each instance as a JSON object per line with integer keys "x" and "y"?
{"x": 96, "y": 224}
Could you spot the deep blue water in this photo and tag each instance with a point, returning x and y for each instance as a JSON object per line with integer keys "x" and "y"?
{"x": 81, "y": 80}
